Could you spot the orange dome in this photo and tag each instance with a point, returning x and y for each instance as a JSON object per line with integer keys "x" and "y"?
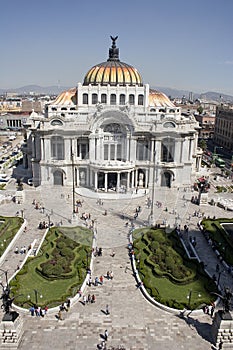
{"x": 113, "y": 71}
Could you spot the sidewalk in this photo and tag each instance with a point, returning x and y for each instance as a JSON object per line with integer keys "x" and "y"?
{"x": 133, "y": 322}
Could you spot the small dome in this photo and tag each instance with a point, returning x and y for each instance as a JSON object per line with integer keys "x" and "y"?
{"x": 159, "y": 99}
{"x": 113, "y": 71}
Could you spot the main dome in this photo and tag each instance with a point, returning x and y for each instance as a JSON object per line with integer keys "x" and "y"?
{"x": 113, "y": 71}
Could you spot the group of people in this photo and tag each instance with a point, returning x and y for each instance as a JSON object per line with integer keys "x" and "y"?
{"x": 22, "y": 250}
{"x": 89, "y": 299}
{"x": 97, "y": 251}
{"x": 63, "y": 307}
{"x": 38, "y": 311}
{"x": 43, "y": 225}
{"x": 38, "y": 206}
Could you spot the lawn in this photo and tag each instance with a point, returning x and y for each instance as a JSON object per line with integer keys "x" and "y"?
{"x": 58, "y": 271}
{"x": 222, "y": 240}
{"x": 168, "y": 275}
{"x": 9, "y": 226}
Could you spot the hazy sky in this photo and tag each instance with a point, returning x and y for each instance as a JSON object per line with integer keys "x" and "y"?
{"x": 184, "y": 44}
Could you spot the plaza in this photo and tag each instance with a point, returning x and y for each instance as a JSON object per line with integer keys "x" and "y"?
{"x": 133, "y": 322}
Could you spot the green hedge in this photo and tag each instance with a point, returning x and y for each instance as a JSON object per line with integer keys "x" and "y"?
{"x": 167, "y": 273}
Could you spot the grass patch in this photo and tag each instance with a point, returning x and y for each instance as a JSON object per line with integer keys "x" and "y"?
{"x": 58, "y": 271}
{"x": 167, "y": 273}
{"x": 9, "y": 226}
{"x": 222, "y": 241}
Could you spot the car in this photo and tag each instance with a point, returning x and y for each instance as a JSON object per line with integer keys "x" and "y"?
{"x": 30, "y": 182}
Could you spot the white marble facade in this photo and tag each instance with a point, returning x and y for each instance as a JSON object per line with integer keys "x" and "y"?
{"x": 112, "y": 133}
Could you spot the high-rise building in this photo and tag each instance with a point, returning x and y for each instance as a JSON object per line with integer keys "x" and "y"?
{"x": 223, "y": 133}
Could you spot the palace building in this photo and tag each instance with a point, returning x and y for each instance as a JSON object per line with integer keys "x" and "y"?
{"x": 112, "y": 133}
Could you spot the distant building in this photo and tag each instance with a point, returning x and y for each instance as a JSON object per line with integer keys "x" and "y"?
{"x": 112, "y": 133}
{"x": 13, "y": 121}
{"x": 207, "y": 125}
{"x": 223, "y": 135}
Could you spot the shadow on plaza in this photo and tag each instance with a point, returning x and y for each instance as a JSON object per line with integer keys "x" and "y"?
{"x": 204, "y": 329}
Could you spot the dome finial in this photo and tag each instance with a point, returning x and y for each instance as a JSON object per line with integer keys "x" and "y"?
{"x": 113, "y": 51}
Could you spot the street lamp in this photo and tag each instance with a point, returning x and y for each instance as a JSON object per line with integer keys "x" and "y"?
{"x": 153, "y": 190}
{"x": 215, "y": 149}
{"x": 73, "y": 183}
{"x": 36, "y": 296}
{"x": 189, "y": 296}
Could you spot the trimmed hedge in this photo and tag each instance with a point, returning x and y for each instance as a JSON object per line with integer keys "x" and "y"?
{"x": 167, "y": 273}
{"x": 57, "y": 271}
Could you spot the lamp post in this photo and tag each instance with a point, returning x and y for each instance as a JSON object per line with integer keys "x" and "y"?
{"x": 73, "y": 183}
{"x": 215, "y": 149}
{"x": 189, "y": 296}
{"x": 153, "y": 190}
{"x": 36, "y": 296}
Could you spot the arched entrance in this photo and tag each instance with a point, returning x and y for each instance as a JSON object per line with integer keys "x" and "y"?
{"x": 112, "y": 181}
{"x": 58, "y": 178}
{"x": 166, "y": 179}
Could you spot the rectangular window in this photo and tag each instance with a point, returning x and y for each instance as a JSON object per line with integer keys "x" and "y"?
{"x": 105, "y": 152}
{"x": 119, "y": 154}
{"x": 112, "y": 152}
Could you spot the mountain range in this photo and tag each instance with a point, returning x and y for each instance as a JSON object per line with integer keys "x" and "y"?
{"x": 173, "y": 93}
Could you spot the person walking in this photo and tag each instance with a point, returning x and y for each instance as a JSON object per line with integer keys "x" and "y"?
{"x": 107, "y": 310}
{"x": 106, "y": 334}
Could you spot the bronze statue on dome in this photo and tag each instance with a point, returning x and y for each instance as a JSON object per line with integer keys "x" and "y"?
{"x": 114, "y": 40}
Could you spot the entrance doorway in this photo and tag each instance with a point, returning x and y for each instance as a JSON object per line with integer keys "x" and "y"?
{"x": 112, "y": 181}
{"x": 166, "y": 179}
{"x": 58, "y": 178}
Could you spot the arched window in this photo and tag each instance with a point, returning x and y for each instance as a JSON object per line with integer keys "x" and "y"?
{"x": 57, "y": 147}
{"x": 168, "y": 150}
{"x": 131, "y": 99}
{"x": 85, "y": 99}
{"x": 56, "y": 122}
{"x": 143, "y": 152}
{"x": 113, "y": 99}
{"x": 122, "y": 99}
{"x": 94, "y": 99}
{"x": 140, "y": 100}
{"x": 103, "y": 98}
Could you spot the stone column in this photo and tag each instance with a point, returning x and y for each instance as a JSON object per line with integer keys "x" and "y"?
{"x": 118, "y": 181}
{"x": 146, "y": 178}
{"x": 128, "y": 180}
{"x": 106, "y": 182}
{"x": 96, "y": 180}
{"x": 136, "y": 178}
{"x": 132, "y": 182}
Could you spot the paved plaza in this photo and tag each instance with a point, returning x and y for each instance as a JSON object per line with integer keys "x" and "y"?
{"x": 133, "y": 322}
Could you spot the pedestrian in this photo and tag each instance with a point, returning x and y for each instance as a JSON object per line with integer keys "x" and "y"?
{"x": 93, "y": 298}
{"x": 60, "y": 315}
{"x": 32, "y": 310}
{"x": 89, "y": 298}
{"x": 212, "y": 311}
{"x": 68, "y": 304}
{"x": 84, "y": 300}
{"x": 107, "y": 310}
{"x": 106, "y": 335}
{"x": 101, "y": 279}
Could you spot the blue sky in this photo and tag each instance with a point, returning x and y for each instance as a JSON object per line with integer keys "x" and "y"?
{"x": 184, "y": 44}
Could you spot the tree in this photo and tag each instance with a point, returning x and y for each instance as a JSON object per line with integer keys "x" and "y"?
{"x": 200, "y": 109}
{"x": 203, "y": 144}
